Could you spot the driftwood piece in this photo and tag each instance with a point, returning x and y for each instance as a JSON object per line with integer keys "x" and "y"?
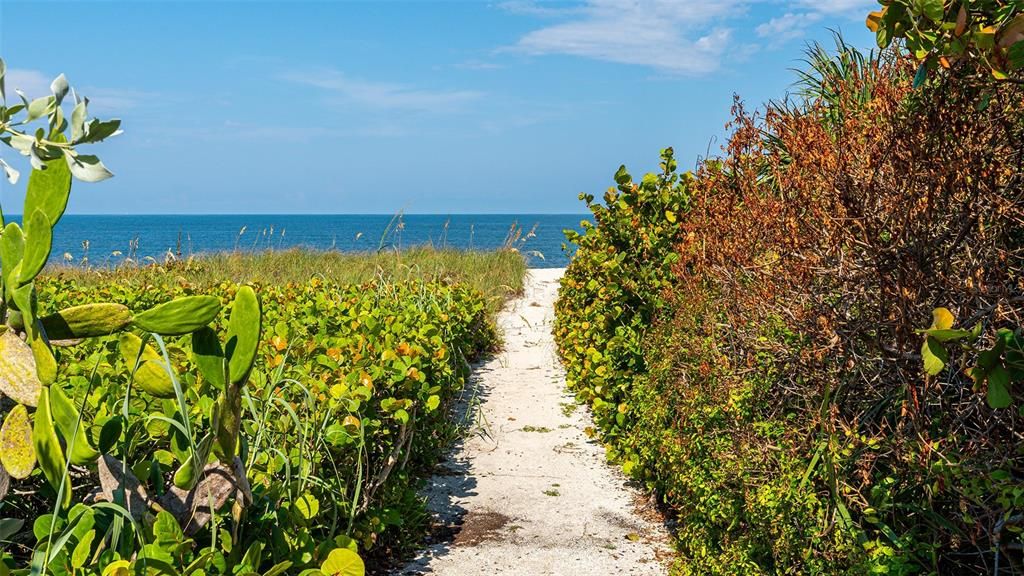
{"x": 113, "y": 477}
{"x": 193, "y": 508}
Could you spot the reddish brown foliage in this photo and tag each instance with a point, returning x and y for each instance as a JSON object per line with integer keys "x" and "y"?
{"x": 848, "y": 220}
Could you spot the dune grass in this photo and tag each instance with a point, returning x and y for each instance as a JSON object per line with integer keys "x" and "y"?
{"x": 498, "y": 274}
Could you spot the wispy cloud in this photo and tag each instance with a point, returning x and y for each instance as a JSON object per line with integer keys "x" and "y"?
{"x": 478, "y": 65}
{"x": 848, "y": 7}
{"x": 103, "y": 101}
{"x": 680, "y": 36}
{"x": 789, "y": 26}
{"x": 802, "y": 15}
{"x": 32, "y": 82}
{"x": 384, "y": 95}
{"x": 690, "y": 37}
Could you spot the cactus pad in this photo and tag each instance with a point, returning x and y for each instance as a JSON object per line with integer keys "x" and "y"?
{"x": 151, "y": 375}
{"x": 38, "y": 242}
{"x": 17, "y": 452}
{"x": 243, "y": 334}
{"x": 179, "y": 316}
{"x": 18, "y": 378}
{"x": 48, "y": 449}
{"x": 66, "y": 416}
{"x": 208, "y": 356}
{"x": 88, "y": 321}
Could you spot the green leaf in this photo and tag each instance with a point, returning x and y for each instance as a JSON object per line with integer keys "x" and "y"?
{"x": 78, "y": 116}
{"x": 343, "y": 562}
{"x": 307, "y": 505}
{"x": 433, "y": 402}
{"x": 999, "y": 387}
{"x": 39, "y": 107}
{"x": 921, "y": 76}
{"x": 622, "y": 176}
{"x": 86, "y": 321}
{"x": 934, "y": 355}
{"x": 86, "y": 167}
{"x": 948, "y": 335}
{"x": 66, "y": 416}
{"x": 98, "y": 130}
{"x": 48, "y": 449}
{"x": 152, "y": 375}
{"x": 166, "y": 530}
{"x": 59, "y": 87}
{"x": 81, "y": 553}
{"x": 12, "y": 176}
{"x": 934, "y": 10}
{"x": 110, "y": 434}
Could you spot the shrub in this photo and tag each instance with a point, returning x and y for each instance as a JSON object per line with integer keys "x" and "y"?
{"x": 345, "y": 409}
{"x": 612, "y": 289}
{"x": 972, "y": 34}
{"x": 785, "y": 414}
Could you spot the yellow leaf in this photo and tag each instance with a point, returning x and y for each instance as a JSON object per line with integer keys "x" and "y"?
{"x": 874, "y": 20}
{"x": 942, "y": 319}
{"x": 343, "y": 562}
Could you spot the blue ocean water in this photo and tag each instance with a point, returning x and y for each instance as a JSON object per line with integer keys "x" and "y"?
{"x": 113, "y": 238}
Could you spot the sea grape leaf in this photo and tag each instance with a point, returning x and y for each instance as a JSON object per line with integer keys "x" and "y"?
{"x": 935, "y": 356}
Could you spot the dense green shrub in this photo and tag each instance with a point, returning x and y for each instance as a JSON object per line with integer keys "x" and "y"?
{"x": 612, "y": 289}
{"x": 781, "y": 406}
{"x": 344, "y": 411}
{"x": 955, "y": 34}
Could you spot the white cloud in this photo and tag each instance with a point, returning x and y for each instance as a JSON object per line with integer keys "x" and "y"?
{"x": 102, "y": 101}
{"x": 678, "y": 36}
{"x": 32, "y": 82}
{"x": 673, "y": 36}
{"x": 848, "y": 7}
{"x": 478, "y": 65}
{"x": 789, "y": 26}
{"x": 384, "y": 95}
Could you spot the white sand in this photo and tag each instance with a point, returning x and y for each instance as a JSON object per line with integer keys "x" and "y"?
{"x": 491, "y": 493}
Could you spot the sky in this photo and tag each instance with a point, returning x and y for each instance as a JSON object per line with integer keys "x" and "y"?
{"x": 270, "y": 107}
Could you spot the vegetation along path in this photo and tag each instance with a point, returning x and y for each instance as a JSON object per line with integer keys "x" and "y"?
{"x": 528, "y": 492}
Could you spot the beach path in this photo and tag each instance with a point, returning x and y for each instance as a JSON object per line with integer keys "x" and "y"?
{"x": 527, "y": 492}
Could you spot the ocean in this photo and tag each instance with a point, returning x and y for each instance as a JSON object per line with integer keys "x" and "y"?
{"x": 108, "y": 240}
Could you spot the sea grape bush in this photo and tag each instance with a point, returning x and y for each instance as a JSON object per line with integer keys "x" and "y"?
{"x": 808, "y": 401}
{"x": 612, "y": 289}
{"x": 948, "y": 34}
{"x": 344, "y": 410}
{"x": 232, "y": 429}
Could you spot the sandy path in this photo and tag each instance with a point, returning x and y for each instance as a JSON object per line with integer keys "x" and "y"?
{"x": 529, "y": 494}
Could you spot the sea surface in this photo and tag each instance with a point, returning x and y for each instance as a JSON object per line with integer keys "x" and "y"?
{"x": 109, "y": 240}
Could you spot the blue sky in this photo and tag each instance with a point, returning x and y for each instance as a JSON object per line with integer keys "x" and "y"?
{"x": 374, "y": 107}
